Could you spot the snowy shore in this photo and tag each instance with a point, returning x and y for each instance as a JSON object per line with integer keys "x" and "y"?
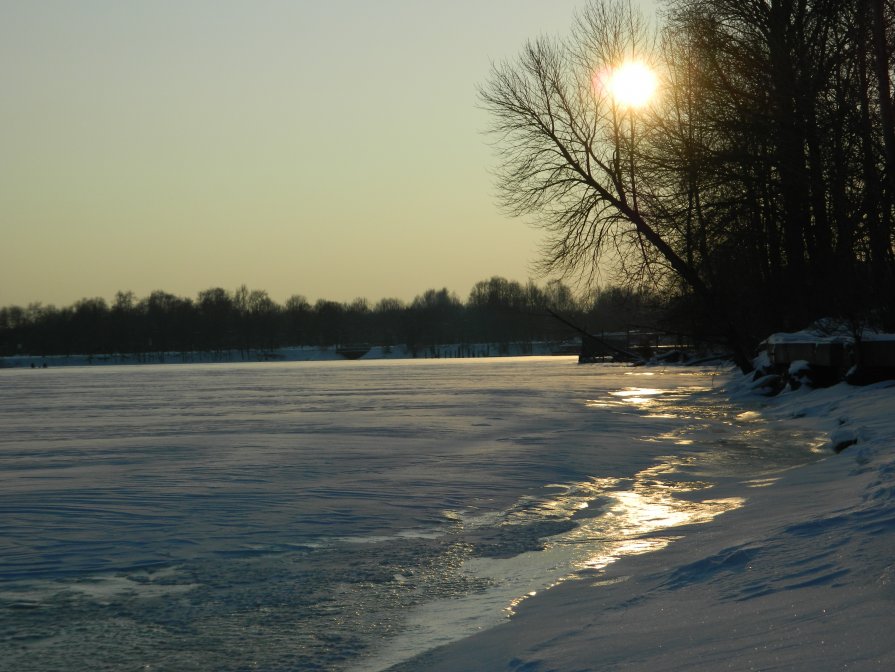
{"x": 802, "y": 577}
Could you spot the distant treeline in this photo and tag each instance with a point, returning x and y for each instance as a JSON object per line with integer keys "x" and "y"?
{"x": 217, "y": 320}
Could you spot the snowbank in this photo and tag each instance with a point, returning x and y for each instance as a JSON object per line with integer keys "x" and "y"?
{"x": 800, "y": 578}
{"x": 827, "y": 331}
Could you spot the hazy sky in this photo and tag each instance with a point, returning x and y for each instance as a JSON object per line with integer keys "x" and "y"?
{"x": 330, "y": 148}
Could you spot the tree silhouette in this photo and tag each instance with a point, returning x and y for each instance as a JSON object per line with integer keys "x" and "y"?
{"x": 248, "y": 324}
{"x": 757, "y": 188}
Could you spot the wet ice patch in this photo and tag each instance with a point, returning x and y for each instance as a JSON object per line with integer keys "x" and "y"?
{"x": 540, "y": 542}
{"x": 107, "y": 588}
{"x": 101, "y": 589}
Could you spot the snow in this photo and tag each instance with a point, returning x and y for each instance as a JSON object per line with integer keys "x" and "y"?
{"x": 829, "y": 331}
{"x": 522, "y": 515}
{"x": 802, "y": 577}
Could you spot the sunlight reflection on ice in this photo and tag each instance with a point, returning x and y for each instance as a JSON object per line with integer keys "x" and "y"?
{"x": 640, "y": 396}
{"x": 636, "y": 392}
{"x": 632, "y": 509}
{"x": 660, "y": 403}
{"x": 635, "y": 514}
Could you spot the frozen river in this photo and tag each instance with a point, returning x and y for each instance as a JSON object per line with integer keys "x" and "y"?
{"x": 339, "y": 515}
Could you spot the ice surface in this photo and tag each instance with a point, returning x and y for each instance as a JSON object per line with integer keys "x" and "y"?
{"x": 353, "y": 515}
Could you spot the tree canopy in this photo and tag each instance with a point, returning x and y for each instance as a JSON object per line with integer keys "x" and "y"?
{"x": 759, "y": 182}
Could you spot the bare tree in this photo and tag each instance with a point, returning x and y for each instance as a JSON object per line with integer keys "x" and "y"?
{"x": 573, "y": 158}
{"x": 569, "y": 151}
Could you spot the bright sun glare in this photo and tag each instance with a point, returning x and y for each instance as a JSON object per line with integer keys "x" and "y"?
{"x": 632, "y": 84}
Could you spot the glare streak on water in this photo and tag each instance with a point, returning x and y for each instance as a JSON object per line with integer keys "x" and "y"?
{"x": 334, "y": 516}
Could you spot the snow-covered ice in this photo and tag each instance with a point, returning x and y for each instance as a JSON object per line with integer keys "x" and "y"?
{"x": 801, "y": 577}
{"x": 515, "y": 514}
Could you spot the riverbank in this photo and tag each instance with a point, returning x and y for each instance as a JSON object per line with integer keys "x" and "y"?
{"x": 800, "y": 577}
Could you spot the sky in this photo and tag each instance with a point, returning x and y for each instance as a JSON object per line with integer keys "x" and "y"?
{"x": 332, "y": 149}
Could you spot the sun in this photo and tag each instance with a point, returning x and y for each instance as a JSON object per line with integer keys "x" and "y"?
{"x": 633, "y": 84}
